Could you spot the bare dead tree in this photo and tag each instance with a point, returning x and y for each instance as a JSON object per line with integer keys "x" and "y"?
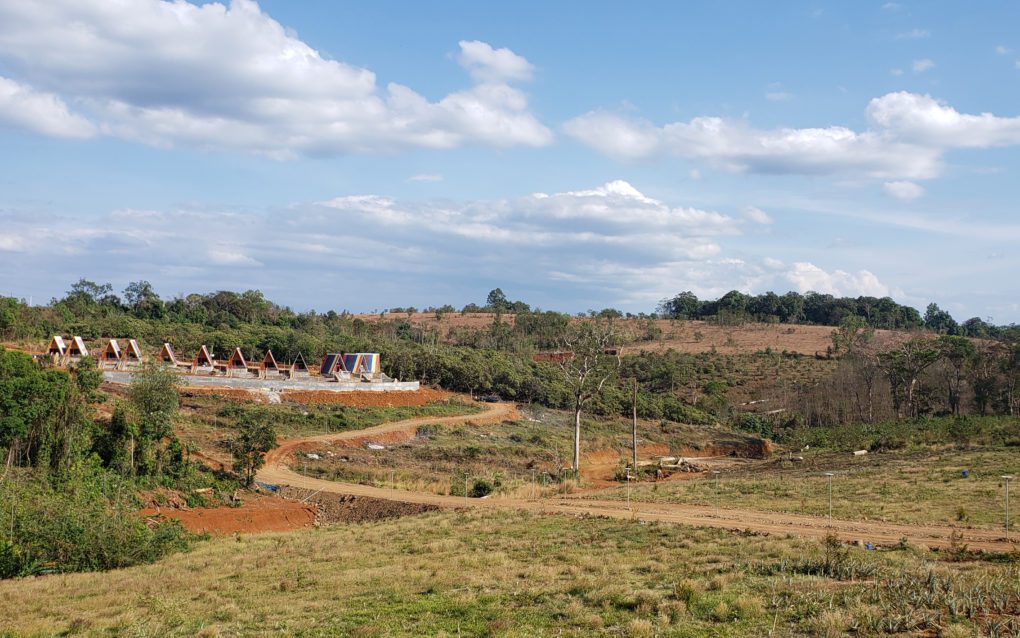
{"x": 594, "y": 359}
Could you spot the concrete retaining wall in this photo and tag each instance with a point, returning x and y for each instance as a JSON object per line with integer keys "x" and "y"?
{"x": 276, "y": 385}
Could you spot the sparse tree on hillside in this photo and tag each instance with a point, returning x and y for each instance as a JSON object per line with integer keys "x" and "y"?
{"x": 595, "y": 359}
{"x": 903, "y": 367}
{"x": 255, "y": 438}
{"x": 959, "y": 353}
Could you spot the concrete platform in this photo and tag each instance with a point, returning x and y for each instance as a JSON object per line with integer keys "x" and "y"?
{"x": 275, "y": 385}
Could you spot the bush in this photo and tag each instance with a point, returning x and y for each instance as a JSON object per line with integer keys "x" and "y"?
{"x": 85, "y": 521}
{"x": 480, "y": 488}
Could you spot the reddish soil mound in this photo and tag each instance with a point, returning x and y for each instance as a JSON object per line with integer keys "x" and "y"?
{"x": 343, "y": 508}
{"x": 366, "y": 399}
{"x": 233, "y": 394}
{"x": 256, "y": 514}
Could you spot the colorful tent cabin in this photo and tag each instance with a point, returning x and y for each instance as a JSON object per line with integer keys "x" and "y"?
{"x": 332, "y": 363}
{"x": 237, "y": 361}
{"x": 362, "y": 363}
{"x": 299, "y": 364}
{"x": 111, "y": 352}
{"x": 132, "y": 353}
{"x": 76, "y": 349}
{"x": 166, "y": 355}
{"x": 203, "y": 359}
{"x": 269, "y": 362}
{"x": 57, "y": 346}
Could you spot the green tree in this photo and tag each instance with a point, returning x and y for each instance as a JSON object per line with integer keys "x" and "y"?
{"x": 255, "y": 437}
{"x": 852, "y": 336}
{"x": 497, "y": 301}
{"x": 154, "y": 398}
{"x": 903, "y": 367}
{"x": 959, "y": 352}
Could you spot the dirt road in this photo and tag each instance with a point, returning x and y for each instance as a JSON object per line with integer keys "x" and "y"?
{"x": 276, "y": 471}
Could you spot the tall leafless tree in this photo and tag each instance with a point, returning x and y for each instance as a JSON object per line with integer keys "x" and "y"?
{"x": 594, "y": 360}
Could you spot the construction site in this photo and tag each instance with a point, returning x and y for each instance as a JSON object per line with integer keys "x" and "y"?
{"x": 337, "y": 372}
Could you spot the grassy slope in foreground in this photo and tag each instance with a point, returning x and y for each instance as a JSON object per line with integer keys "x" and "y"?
{"x": 509, "y": 574}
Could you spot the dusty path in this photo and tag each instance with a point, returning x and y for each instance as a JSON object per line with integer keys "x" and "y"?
{"x": 276, "y": 471}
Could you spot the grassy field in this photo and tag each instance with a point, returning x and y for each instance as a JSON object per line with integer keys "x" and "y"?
{"x": 919, "y": 486}
{"x": 513, "y": 574}
{"x": 510, "y": 455}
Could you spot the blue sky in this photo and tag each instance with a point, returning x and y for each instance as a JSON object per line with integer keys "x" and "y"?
{"x": 362, "y": 156}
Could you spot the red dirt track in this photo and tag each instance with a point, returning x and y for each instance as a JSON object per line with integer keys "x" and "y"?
{"x": 277, "y": 471}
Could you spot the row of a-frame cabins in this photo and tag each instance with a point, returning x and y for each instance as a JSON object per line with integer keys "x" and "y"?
{"x": 364, "y": 365}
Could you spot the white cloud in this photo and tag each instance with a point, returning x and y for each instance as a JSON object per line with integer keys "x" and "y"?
{"x": 24, "y": 107}
{"x": 244, "y": 82}
{"x": 757, "y": 215}
{"x": 805, "y": 277}
{"x": 694, "y": 174}
{"x": 908, "y": 136}
{"x": 736, "y": 146}
{"x": 922, "y": 65}
{"x": 913, "y": 34}
{"x": 426, "y": 177}
{"x": 891, "y": 6}
{"x": 896, "y": 72}
{"x": 486, "y": 64}
{"x": 903, "y": 190}
{"x": 922, "y": 119}
{"x": 1003, "y": 50}
{"x": 773, "y": 263}
{"x": 778, "y": 96}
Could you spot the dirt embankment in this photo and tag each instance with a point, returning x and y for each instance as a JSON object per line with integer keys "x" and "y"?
{"x": 342, "y": 508}
{"x": 358, "y": 399}
{"x": 257, "y": 513}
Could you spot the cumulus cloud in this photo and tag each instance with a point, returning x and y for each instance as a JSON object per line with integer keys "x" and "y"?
{"x": 757, "y": 215}
{"x": 610, "y": 244}
{"x": 805, "y": 276}
{"x": 23, "y": 107}
{"x": 903, "y": 190}
{"x": 907, "y": 139}
{"x": 737, "y": 146}
{"x": 486, "y": 64}
{"x": 921, "y": 119}
{"x": 245, "y": 82}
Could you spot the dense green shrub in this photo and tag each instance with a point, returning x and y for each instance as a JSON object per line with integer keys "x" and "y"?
{"x": 82, "y": 521}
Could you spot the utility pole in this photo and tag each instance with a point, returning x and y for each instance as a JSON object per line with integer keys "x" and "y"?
{"x": 633, "y": 433}
{"x": 829, "y": 476}
{"x": 1007, "y": 478}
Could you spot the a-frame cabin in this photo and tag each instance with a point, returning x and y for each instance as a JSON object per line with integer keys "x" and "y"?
{"x": 203, "y": 359}
{"x": 298, "y": 367}
{"x": 111, "y": 354}
{"x": 57, "y": 348}
{"x": 269, "y": 362}
{"x": 76, "y": 349}
{"x": 132, "y": 353}
{"x": 236, "y": 361}
{"x": 166, "y": 355}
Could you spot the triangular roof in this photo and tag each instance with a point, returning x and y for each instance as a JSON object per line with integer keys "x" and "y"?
{"x": 237, "y": 359}
{"x": 132, "y": 351}
{"x": 203, "y": 358}
{"x": 77, "y": 348}
{"x": 269, "y": 361}
{"x": 111, "y": 351}
{"x": 357, "y": 362}
{"x": 166, "y": 355}
{"x": 299, "y": 364}
{"x": 57, "y": 346}
{"x": 330, "y": 363}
